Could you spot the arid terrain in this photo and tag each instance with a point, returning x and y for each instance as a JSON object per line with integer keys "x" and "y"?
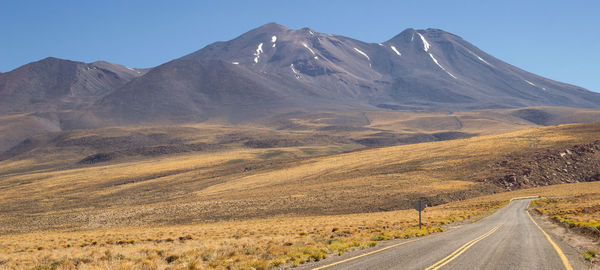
{"x": 209, "y": 196}
{"x": 206, "y": 135}
{"x": 255, "y": 243}
{"x": 177, "y": 175}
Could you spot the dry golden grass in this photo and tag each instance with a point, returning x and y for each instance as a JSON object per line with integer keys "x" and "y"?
{"x": 251, "y": 207}
{"x": 581, "y": 211}
{"x": 258, "y": 243}
{"x": 242, "y": 183}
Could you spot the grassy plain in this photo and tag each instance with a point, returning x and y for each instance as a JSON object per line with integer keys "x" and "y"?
{"x": 255, "y": 243}
{"x": 242, "y": 183}
{"x": 254, "y": 197}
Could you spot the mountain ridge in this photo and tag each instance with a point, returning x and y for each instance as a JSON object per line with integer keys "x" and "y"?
{"x": 274, "y": 70}
{"x": 53, "y": 83}
{"x": 435, "y": 50}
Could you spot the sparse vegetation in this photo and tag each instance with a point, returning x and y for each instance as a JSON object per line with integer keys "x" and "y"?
{"x": 580, "y": 212}
{"x": 261, "y": 244}
{"x": 258, "y": 243}
{"x": 590, "y": 254}
{"x": 199, "y": 186}
{"x": 251, "y": 207}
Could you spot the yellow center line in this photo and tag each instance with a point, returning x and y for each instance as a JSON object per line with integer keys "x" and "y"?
{"x": 366, "y": 254}
{"x": 461, "y": 249}
{"x": 562, "y": 256}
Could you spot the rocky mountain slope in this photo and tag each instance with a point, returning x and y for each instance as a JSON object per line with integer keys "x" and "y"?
{"x": 417, "y": 69}
{"x": 54, "y": 84}
{"x": 577, "y": 163}
{"x": 274, "y": 69}
{"x": 276, "y": 72}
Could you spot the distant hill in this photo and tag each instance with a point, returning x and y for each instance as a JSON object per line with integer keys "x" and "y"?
{"x": 276, "y": 72}
{"x": 54, "y": 84}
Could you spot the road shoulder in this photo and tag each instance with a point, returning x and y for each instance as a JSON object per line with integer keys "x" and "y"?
{"x": 572, "y": 243}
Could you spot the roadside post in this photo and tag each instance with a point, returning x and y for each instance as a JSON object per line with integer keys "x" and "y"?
{"x": 420, "y": 206}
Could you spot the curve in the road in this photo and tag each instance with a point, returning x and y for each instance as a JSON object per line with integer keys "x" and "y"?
{"x": 507, "y": 239}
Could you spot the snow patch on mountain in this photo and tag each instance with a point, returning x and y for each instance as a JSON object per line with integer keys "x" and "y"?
{"x": 535, "y": 85}
{"x": 438, "y": 64}
{"x": 480, "y": 59}
{"x": 363, "y": 53}
{"x": 425, "y": 43}
{"x": 395, "y": 50}
{"x": 296, "y": 73}
{"x": 306, "y": 46}
{"x": 132, "y": 69}
{"x": 235, "y": 63}
{"x": 259, "y": 50}
{"x": 273, "y": 39}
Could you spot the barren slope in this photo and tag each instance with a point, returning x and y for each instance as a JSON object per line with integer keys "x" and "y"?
{"x": 236, "y": 182}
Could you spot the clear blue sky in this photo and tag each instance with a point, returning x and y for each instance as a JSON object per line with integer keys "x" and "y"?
{"x": 556, "y": 39}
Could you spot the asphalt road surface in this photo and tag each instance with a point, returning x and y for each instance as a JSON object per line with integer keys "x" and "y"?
{"x": 508, "y": 239}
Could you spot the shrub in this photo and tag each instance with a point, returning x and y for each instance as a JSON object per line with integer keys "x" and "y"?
{"x": 125, "y": 266}
{"x": 381, "y": 237}
{"x": 187, "y": 237}
{"x": 339, "y": 246}
{"x": 297, "y": 258}
{"x": 194, "y": 265}
{"x": 589, "y": 254}
{"x": 147, "y": 264}
{"x": 315, "y": 254}
{"x": 278, "y": 262}
{"x": 259, "y": 264}
{"x": 171, "y": 258}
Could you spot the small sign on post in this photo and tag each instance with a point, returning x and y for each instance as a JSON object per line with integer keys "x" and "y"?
{"x": 420, "y": 206}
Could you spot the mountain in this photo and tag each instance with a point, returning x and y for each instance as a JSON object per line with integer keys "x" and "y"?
{"x": 55, "y": 84}
{"x": 274, "y": 70}
{"x": 190, "y": 90}
{"x": 417, "y": 69}
{"x": 53, "y": 94}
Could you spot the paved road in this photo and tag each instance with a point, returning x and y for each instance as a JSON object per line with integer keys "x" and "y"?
{"x": 508, "y": 239}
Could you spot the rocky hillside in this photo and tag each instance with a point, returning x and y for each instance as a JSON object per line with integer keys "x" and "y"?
{"x": 578, "y": 163}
